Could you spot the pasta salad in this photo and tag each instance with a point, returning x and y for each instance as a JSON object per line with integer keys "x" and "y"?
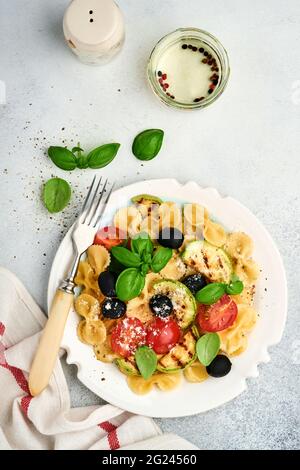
{"x": 166, "y": 293}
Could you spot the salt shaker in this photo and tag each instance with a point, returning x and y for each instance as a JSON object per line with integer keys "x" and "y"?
{"x": 94, "y": 30}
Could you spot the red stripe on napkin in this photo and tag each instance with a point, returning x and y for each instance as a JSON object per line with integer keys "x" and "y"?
{"x": 112, "y": 436}
{"x": 25, "y": 402}
{"x": 17, "y": 374}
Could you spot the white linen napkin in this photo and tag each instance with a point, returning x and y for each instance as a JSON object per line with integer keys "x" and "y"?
{"x": 47, "y": 421}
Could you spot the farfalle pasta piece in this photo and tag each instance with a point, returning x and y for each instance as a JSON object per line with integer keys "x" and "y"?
{"x": 87, "y": 306}
{"x": 164, "y": 382}
{"x": 91, "y": 331}
{"x": 98, "y": 258}
{"x": 170, "y": 215}
{"x": 85, "y": 274}
{"x": 139, "y": 306}
{"x": 246, "y": 296}
{"x": 128, "y": 219}
{"x": 87, "y": 278}
{"x": 239, "y": 245}
{"x": 175, "y": 269}
{"x": 234, "y": 339}
{"x": 214, "y": 233}
{"x": 196, "y": 372}
{"x": 247, "y": 270}
{"x": 104, "y": 352}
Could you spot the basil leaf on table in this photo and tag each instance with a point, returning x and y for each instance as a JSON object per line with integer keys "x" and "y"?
{"x": 142, "y": 244}
{"x": 56, "y": 194}
{"x": 207, "y": 347}
{"x": 235, "y": 287}
{"x": 161, "y": 257}
{"x": 130, "y": 284}
{"x": 63, "y": 158}
{"x": 147, "y": 144}
{"x": 102, "y": 156}
{"x": 126, "y": 257}
{"x": 146, "y": 361}
{"x": 211, "y": 293}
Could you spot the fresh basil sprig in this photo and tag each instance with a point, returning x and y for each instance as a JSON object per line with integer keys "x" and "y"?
{"x": 138, "y": 260}
{"x": 70, "y": 159}
{"x": 207, "y": 347}
{"x": 147, "y": 144}
{"x": 56, "y": 194}
{"x": 211, "y": 293}
{"x": 161, "y": 257}
{"x": 63, "y": 158}
{"x": 235, "y": 286}
{"x": 130, "y": 284}
{"x": 146, "y": 361}
{"x": 102, "y": 156}
{"x": 126, "y": 257}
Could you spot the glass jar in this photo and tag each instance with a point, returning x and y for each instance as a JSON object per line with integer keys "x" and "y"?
{"x": 94, "y": 30}
{"x": 188, "y": 69}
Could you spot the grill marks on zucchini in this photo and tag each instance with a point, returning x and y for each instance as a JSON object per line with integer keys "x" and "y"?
{"x": 180, "y": 355}
{"x": 209, "y": 260}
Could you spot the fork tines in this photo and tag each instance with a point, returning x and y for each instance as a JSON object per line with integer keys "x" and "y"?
{"x": 93, "y": 207}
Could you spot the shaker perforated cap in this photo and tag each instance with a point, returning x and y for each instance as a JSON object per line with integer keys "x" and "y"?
{"x": 93, "y": 24}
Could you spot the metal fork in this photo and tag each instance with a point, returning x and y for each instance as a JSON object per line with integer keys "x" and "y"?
{"x": 82, "y": 237}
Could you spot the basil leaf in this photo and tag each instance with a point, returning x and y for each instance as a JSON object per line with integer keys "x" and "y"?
{"x": 146, "y": 257}
{"x": 161, "y": 258}
{"x": 147, "y": 144}
{"x": 63, "y": 158}
{"x": 77, "y": 150}
{"x": 235, "y": 287}
{"x": 207, "y": 347}
{"x": 142, "y": 244}
{"x": 130, "y": 284}
{"x": 115, "y": 266}
{"x": 211, "y": 293}
{"x": 56, "y": 194}
{"x": 146, "y": 360}
{"x": 144, "y": 269}
{"x": 102, "y": 156}
{"x": 126, "y": 257}
{"x": 82, "y": 162}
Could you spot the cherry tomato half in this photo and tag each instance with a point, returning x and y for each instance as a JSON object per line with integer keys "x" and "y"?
{"x": 218, "y": 316}
{"x": 162, "y": 335}
{"x": 127, "y": 336}
{"x": 109, "y": 237}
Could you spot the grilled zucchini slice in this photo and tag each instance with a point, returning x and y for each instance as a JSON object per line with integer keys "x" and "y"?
{"x": 146, "y": 199}
{"x": 180, "y": 356}
{"x": 127, "y": 366}
{"x": 208, "y": 260}
{"x": 182, "y": 299}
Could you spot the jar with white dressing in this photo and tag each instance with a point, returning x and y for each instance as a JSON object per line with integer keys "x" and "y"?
{"x": 188, "y": 69}
{"x": 94, "y": 30}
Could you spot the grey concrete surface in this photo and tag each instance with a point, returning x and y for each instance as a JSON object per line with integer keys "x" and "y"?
{"x": 246, "y": 145}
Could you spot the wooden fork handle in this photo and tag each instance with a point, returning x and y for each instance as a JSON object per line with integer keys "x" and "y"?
{"x": 47, "y": 351}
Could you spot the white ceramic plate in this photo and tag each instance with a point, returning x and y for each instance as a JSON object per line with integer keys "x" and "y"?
{"x": 270, "y": 302}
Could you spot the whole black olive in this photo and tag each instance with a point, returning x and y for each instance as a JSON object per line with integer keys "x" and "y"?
{"x": 170, "y": 237}
{"x": 161, "y": 305}
{"x": 113, "y": 308}
{"x": 107, "y": 282}
{"x": 195, "y": 282}
{"x": 219, "y": 367}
